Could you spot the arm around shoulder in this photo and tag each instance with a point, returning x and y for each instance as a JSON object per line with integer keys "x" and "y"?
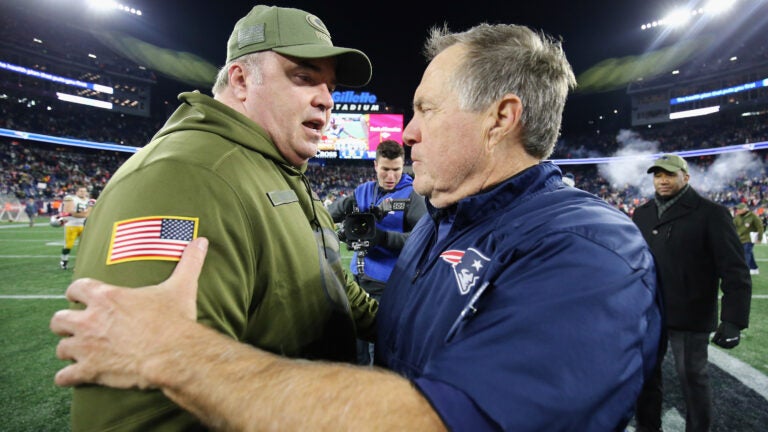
{"x": 233, "y": 386}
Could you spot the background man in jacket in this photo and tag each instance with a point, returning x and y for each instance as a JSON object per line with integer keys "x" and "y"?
{"x": 747, "y": 223}
{"x": 697, "y": 250}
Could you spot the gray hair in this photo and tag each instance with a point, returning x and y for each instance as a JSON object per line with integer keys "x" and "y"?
{"x": 251, "y": 62}
{"x": 504, "y": 59}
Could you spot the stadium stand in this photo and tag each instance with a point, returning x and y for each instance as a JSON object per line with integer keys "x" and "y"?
{"x": 45, "y": 171}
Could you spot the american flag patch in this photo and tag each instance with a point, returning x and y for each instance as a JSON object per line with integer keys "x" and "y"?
{"x": 151, "y": 238}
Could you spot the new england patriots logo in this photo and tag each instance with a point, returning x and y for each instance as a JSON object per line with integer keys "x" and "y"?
{"x": 467, "y": 267}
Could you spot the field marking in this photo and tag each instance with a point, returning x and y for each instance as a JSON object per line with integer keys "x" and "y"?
{"x": 33, "y": 256}
{"x": 743, "y": 372}
{"x": 671, "y": 421}
{"x": 48, "y": 242}
{"x": 24, "y": 226}
{"x": 28, "y": 297}
{"x": 28, "y": 240}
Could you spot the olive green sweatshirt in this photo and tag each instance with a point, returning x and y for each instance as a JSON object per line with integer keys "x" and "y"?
{"x": 748, "y": 223}
{"x": 272, "y": 278}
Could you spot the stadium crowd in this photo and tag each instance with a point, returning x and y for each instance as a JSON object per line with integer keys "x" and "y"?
{"x": 46, "y": 172}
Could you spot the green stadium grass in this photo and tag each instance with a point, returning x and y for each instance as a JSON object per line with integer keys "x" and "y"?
{"x": 29, "y": 265}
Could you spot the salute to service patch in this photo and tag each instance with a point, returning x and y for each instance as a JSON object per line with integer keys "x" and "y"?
{"x": 151, "y": 238}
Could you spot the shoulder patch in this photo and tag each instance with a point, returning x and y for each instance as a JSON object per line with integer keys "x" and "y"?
{"x": 282, "y": 197}
{"x": 151, "y": 238}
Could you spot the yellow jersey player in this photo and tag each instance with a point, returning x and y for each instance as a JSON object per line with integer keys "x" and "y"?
{"x": 75, "y": 209}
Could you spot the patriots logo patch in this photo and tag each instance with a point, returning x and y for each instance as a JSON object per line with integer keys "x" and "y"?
{"x": 467, "y": 267}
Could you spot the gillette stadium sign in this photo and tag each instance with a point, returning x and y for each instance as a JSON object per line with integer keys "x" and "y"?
{"x": 353, "y": 101}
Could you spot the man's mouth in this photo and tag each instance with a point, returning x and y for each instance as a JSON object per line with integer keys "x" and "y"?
{"x": 315, "y": 125}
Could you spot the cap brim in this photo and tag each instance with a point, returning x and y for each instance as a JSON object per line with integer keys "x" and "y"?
{"x": 665, "y": 167}
{"x": 353, "y": 68}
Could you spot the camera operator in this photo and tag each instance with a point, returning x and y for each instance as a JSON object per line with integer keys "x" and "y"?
{"x": 391, "y": 228}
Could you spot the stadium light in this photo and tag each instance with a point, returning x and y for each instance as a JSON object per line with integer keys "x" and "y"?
{"x": 678, "y": 18}
{"x": 694, "y": 112}
{"x": 682, "y": 16}
{"x": 102, "y": 5}
{"x": 107, "y": 5}
{"x": 715, "y": 7}
{"x": 83, "y": 101}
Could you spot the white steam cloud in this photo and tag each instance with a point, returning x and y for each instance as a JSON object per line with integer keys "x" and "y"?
{"x": 636, "y": 155}
{"x": 630, "y": 171}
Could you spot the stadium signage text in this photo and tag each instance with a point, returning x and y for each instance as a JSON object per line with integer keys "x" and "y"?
{"x": 327, "y": 155}
{"x": 354, "y": 101}
{"x": 720, "y": 92}
{"x": 353, "y": 97}
{"x": 357, "y": 107}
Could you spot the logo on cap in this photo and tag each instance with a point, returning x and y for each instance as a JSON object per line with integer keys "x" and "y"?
{"x": 322, "y": 32}
{"x": 318, "y": 24}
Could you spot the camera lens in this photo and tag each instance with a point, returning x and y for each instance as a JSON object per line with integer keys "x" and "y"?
{"x": 361, "y": 228}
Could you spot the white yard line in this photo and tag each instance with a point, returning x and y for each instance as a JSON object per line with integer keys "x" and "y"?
{"x": 743, "y": 372}
{"x": 31, "y": 256}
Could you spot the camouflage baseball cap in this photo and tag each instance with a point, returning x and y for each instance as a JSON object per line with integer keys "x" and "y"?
{"x": 296, "y": 33}
{"x": 670, "y": 163}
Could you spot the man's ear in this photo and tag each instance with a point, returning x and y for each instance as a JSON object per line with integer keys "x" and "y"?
{"x": 505, "y": 116}
{"x": 237, "y": 81}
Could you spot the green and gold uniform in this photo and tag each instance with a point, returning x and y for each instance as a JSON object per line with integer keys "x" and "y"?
{"x": 273, "y": 276}
{"x": 74, "y": 227}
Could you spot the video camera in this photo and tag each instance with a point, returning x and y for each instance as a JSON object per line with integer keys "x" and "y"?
{"x": 359, "y": 228}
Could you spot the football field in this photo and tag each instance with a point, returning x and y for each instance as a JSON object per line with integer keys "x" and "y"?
{"x": 32, "y": 288}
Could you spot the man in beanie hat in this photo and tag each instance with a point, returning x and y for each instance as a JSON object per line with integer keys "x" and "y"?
{"x": 748, "y": 225}
{"x": 697, "y": 252}
{"x": 231, "y": 168}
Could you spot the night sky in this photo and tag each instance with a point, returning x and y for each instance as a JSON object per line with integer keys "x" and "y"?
{"x": 392, "y": 34}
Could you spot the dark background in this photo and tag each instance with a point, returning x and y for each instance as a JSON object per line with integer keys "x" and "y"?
{"x": 391, "y": 33}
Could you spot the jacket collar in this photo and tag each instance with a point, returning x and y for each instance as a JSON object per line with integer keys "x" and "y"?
{"x": 510, "y": 193}
{"x": 687, "y": 203}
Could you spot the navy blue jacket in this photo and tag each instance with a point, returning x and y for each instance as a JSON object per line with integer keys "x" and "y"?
{"x": 535, "y": 310}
